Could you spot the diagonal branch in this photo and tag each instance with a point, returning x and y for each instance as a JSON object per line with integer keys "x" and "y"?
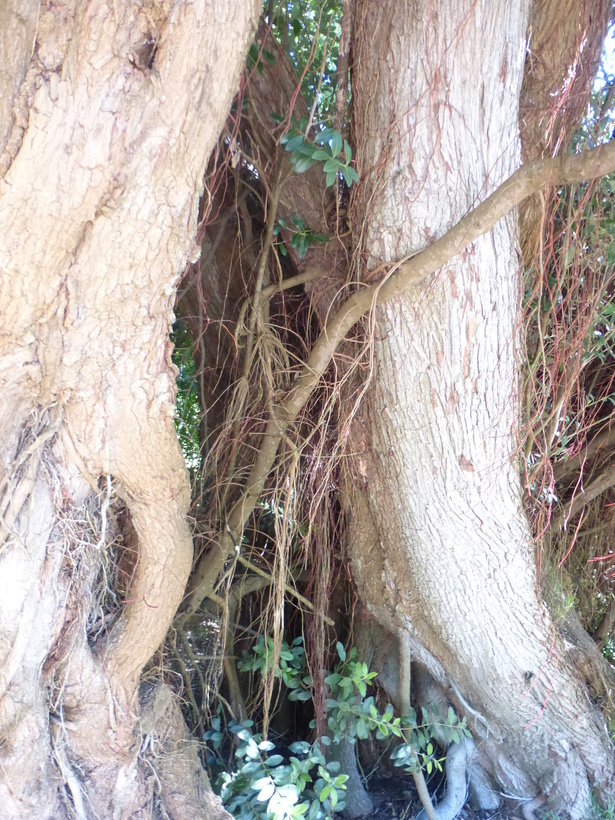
{"x": 603, "y": 443}
{"x": 529, "y": 179}
{"x": 604, "y": 481}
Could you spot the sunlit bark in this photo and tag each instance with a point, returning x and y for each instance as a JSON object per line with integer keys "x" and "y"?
{"x": 442, "y": 547}
{"x": 98, "y": 211}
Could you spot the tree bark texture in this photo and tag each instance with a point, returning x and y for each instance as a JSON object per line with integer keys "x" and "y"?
{"x": 441, "y": 545}
{"x": 114, "y": 110}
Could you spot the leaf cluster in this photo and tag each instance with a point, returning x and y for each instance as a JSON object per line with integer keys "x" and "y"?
{"x": 302, "y": 236}
{"x": 328, "y": 147}
{"x": 309, "y": 31}
{"x": 301, "y": 783}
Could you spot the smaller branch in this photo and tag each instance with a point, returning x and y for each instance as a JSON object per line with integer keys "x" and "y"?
{"x": 405, "y": 657}
{"x": 606, "y": 624}
{"x": 321, "y": 74}
{"x": 232, "y": 678}
{"x": 310, "y": 275}
{"x": 603, "y": 441}
{"x": 198, "y": 718}
{"x": 604, "y": 481}
{"x": 607, "y": 104}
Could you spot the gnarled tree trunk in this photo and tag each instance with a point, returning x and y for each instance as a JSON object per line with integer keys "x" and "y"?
{"x": 441, "y": 546}
{"x": 113, "y": 109}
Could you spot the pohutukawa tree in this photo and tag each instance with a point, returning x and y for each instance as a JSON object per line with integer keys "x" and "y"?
{"x": 110, "y": 111}
{"x": 358, "y": 349}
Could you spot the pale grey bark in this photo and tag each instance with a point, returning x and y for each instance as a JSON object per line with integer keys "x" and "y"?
{"x": 442, "y": 546}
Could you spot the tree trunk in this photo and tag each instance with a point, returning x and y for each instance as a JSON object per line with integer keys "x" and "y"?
{"x": 114, "y": 109}
{"x": 441, "y": 546}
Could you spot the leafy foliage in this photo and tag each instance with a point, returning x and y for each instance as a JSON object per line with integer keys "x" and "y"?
{"x": 310, "y": 31}
{"x": 299, "y": 782}
{"x": 302, "y": 236}
{"x": 188, "y": 407}
{"x": 328, "y": 147}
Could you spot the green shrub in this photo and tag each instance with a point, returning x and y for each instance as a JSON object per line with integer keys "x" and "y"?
{"x": 299, "y": 782}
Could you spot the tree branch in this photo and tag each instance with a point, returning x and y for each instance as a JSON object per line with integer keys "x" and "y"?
{"x": 604, "y": 481}
{"x": 529, "y": 179}
{"x": 603, "y": 441}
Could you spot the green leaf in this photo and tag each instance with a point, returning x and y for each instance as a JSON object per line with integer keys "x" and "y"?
{"x": 308, "y": 149}
{"x": 349, "y": 174}
{"x": 274, "y": 761}
{"x": 252, "y": 749}
{"x": 332, "y": 165}
{"x": 322, "y": 154}
{"x": 293, "y": 143}
{"x": 347, "y": 152}
{"x": 341, "y": 652}
{"x": 251, "y": 768}
{"x": 336, "y": 143}
{"x": 330, "y": 178}
{"x": 300, "y": 747}
{"x": 266, "y": 792}
{"x": 302, "y": 244}
{"x": 314, "y": 809}
{"x": 299, "y": 223}
{"x": 325, "y": 136}
{"x": 303, "y": 164}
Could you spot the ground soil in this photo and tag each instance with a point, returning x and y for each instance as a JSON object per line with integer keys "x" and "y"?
{"x": 395, "y": 798}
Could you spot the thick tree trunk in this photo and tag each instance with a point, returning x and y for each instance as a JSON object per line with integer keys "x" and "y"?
{"x": 114, "y": 110}
{"x": 441, "y": 546}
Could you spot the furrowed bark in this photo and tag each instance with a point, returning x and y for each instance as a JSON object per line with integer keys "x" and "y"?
{"x": 98, "y": 213}
{"x": 440, "y": 543}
